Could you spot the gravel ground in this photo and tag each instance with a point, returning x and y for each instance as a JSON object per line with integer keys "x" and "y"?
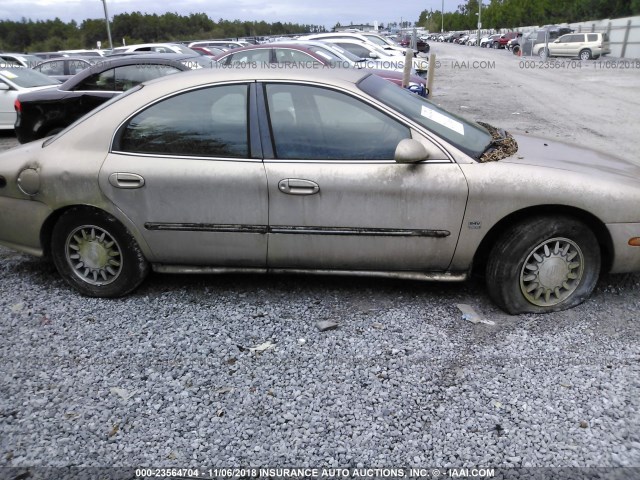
{"x": 167, "y": 377}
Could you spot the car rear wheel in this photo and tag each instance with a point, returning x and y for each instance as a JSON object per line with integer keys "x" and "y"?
{"x": 96, "y": 255}
{"x": 585, "y": 54}
{"x": 543, "y": 53}
{"x": 542, "y": 265}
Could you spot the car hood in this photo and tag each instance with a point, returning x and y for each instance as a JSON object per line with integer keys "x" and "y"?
{"x": 547, "y": 153}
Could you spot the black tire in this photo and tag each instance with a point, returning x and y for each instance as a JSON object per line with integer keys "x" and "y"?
{"x": 585, "y": 54}
{"x": 114, "y": 263}
{"x": 515, "y": 50}
{"x": 515, "y": 276}
{"x": 543, "y": 53}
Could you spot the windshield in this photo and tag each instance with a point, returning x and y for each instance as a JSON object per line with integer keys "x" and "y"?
{"x": 469, "y": 137}
{"x": 26, "y": 78}
{"x": 19, "y": 60}
{"x": 375, "y": 39}
{"x": 346, "y": 53}
{"x": 199, "y": 61}
{"x": 330, "y": 54}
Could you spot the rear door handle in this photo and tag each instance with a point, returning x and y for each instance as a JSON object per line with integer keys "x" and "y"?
{"x": 298, "y": 186}
{"x": 126, "y": 180}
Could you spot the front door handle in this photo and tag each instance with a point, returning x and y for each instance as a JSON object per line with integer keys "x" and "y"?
{"x": 126, "y": 180}
{"x": 298, "y": 186}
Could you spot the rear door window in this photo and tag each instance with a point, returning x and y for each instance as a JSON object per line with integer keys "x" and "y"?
{"x": 103, "y": 81}
{"x": 209, "y": 122}
{"x": 129, "y": 76}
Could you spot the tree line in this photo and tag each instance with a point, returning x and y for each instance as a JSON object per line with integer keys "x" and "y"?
{"x": 52, "y": 35}
{"x": 522, "y": 13}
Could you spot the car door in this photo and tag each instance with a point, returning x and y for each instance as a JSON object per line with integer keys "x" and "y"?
{"x": 560, "y": 47}
{"x": 8, "y": 95}
{"x": 338, "y": 200}
{"x": 184, "y": 172}
{"x": 575, "y": 44}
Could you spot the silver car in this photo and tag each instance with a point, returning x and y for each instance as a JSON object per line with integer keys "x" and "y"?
{"x": 316, "y": 171}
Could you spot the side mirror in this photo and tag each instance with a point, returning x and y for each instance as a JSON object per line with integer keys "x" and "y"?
{"x": 374, "y": 55}
{"x": 4, "y": 86}
{"x": 556, "y": 41}
{"x": 410, "y": 151}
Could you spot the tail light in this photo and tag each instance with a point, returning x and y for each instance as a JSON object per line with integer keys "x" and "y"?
{"x": 17, "y": 106}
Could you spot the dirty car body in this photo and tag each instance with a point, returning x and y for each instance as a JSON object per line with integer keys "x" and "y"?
{"x": 312, "y": 171}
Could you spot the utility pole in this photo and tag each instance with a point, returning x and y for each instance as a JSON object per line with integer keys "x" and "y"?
{"x": 442, "y": 12}
{"x": 479, "y": 20}
{"x": 106, "y": 19}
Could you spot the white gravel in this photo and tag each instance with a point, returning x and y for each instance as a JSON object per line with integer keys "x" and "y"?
{"x": 166, "y": 377}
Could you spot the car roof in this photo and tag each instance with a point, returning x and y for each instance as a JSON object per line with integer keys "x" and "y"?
{"x": 346, "y": 77}
{"x": 91, "y": 60}
{"x": 170, "y": 59}
{"x": 264, "y": 46}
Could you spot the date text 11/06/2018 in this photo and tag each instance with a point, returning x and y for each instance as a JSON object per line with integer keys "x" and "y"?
{"x": 205, "y": 473}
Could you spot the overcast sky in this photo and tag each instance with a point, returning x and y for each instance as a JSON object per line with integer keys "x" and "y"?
{"x": 322, "y": 12}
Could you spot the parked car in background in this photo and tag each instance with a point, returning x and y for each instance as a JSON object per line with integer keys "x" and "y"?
{"x": 267, "y": 171}
{"x": 454, "y": 36}
{"x": 582, "y": 45}
{"x": 503, "y": 39}
{"x": 487, "y": 41}
{"x": 154, "y": 48}
{"x": 16, "y": 80}
{"x": 65, "y": 67}
{"x": 226, "y": 44}
{"x": 209, "y": 51}
{"x": 46, "y": 112}
{"x": 48, "y": 55}
{"x": 535, "y": 41}
{"x": 310, "y": 54}
{"x": 514, "y": 41}
{"x": 18, "y": 59}
{"x": 84, "y": 53}
{"x": 384, "y": 43}
{"x": 421, "y": 45}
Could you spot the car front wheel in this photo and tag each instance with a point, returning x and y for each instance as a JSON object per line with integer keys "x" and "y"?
{"x": 96, "y": 255}
{"x": 543, "y": 265}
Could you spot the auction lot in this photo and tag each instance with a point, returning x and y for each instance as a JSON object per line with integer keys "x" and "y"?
{"x": 167, "y": 376}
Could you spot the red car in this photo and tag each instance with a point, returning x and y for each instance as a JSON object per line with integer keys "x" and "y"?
{"x": 504, "y": 39}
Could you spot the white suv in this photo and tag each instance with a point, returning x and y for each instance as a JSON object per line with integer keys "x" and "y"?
{"x": 582, "y": 45}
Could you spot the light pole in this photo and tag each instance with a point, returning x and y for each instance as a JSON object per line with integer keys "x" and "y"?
{"x": 442, "y": 15}
{"x": 479, "y": 20}
{"x": 106, "y": 19}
